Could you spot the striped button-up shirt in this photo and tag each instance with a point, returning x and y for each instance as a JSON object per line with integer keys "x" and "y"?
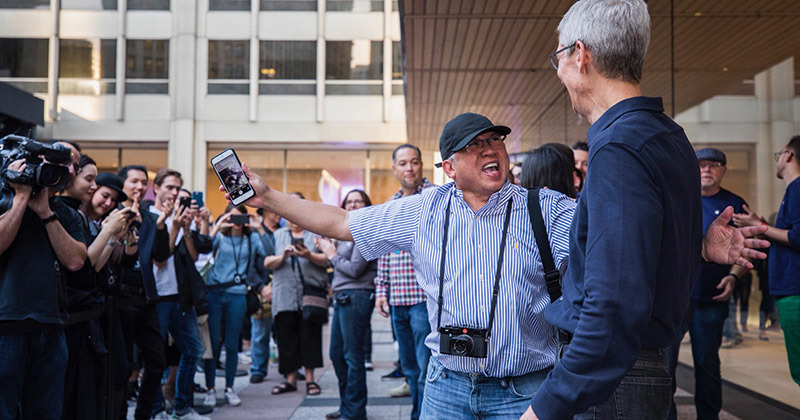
{"x": 396, "y": 276}
{"x": 521, "y": 341}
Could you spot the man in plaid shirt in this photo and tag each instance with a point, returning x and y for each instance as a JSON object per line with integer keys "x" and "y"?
{"x": 396, "y": 285}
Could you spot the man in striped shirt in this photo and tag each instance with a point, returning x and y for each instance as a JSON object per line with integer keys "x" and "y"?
{"x": 397, "y": 282}
{"x": 470, "y": 214}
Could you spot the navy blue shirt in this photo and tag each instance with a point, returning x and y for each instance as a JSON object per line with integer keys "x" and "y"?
{"x": 709, "y": 275}
{"x": 784, "y": 261}
{"x": 635, "y": 244}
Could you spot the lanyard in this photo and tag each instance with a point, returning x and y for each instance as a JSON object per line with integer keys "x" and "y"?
{"x": 496, "y": 289}
{"x": 236, "y": 252}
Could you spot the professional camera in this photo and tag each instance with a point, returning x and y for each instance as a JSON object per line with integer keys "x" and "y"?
{"x": 37, "y": 173}
{"x": 462, "y": 341}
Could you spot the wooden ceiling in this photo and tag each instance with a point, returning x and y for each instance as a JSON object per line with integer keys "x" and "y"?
{"x": 490, "y": 57}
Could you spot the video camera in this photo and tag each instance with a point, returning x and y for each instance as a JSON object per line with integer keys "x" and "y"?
{"x": 37, "y": 173}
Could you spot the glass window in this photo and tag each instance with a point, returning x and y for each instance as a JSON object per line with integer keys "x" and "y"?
{"x": 87, "y": 66}
{"x": 325, "y": 175}
{"x": 397, "y": 60}
{"x": 228, "y": 59}
{"x": 23, "y": 63}
{"x": 147, "y": 59}
{"x": 300, "y": 5}
{"x": 354, "y": 5}
{"x": 148, "y": 4}
{"x": 229, "y": 5}
{"x": 24, "y": 4}
{"x": 354, "y": 60}
{"x": 267, "y": 163}
{"x": 295, "y": 60}
{"x": 89, "y": 5}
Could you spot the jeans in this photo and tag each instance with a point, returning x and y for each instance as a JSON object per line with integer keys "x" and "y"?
{"x": 411, "y": 326}
{"x": 789, "y": 311}
{"x": 645, "y": 392}
{"x": 32, "y": 368}
{"x": 672, "y": 363}
{"x": 456, "y": 395}
{"x": 260, "y": 332}
{"x": 232, "y": 307}
{"x": 350, "y": 322}
{"x": 183, "y": 327}
{"x": 708, "y": 320}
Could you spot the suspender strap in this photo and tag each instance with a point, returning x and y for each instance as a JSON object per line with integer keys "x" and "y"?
{"x": 551, "y": 275}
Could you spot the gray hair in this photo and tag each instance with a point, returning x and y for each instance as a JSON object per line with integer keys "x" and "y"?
{"x": 617, "y": 33}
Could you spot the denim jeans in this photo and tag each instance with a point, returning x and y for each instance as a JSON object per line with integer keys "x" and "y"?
{"x": 32, "y": 368}
{"x": 672, "y": 364}
{"x": 183, "y": 327}
{"x": 456, "y": 395}
{"x": 350, "y": 321}
{"x": 232, "y": 308}
{"x": 411, "y": 326}
{"x": 260, "y": 332}
{"x": 708, "y": 320}
{"x": 645, "y": 393}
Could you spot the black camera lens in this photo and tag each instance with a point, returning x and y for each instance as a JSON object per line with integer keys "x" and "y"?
{"x": 461, "y": 344}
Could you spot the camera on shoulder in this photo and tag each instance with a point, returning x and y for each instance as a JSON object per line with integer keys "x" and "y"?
{"x": 463, "y": 341}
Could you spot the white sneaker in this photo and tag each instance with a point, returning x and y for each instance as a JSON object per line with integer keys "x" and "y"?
{"x": 400, "y": 391}
{"x": 162, "y": 416}
{"x": 189, "y": 415}
{"x": 369, "y": 366}
{"x": 245, "y": 359}
{"x": 232, "y": 398}
{"x": 210, "y": 400}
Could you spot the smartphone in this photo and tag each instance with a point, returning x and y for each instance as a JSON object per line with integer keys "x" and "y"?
{"x": 197, "y": 196}
{"x": 298, "y": 242}
{"x": 239, "y": 219}
{"x": 229, "y": 171}
{"x": 185, "y": 202}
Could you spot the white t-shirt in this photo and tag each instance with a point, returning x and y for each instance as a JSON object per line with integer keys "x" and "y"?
{"x": 166, "y": 278}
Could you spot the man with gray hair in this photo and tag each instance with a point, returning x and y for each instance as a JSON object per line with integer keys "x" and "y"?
{"x": 635, "y": 241}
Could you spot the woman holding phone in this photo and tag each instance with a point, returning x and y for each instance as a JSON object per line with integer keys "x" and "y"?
{"x": 238, "y": 253}
{"x": 297, "y": 262}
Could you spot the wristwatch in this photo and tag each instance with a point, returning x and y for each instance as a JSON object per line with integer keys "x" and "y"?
{"x": 52, "y": 218}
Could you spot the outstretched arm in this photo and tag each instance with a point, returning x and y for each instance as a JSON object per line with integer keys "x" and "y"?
{"x": 322, "y": 219}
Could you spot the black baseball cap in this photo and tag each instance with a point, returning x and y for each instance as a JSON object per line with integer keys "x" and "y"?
{"x": 712, "y": 154}
{"x": 107, "y": 179}
{"x": 462, "y": 129}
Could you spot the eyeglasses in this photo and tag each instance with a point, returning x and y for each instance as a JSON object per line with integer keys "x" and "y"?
{"x": 711, "y": 165}
{"x": 778, "y": 154}
{"x": 554, "y": 56}
{"x": 476, "y": 146}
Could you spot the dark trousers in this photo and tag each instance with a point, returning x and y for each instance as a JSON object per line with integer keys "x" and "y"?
{"x": 708, "y": 320}
{"x": 299, "y": 342}
{"x": 140, "y": 326}
{"x": 32, "y": 367}
{"x": 350, "y": 322}
{"x": 644, "y": 393}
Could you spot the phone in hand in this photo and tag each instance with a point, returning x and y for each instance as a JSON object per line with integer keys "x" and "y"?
{"x": 229, "y": 171}
{"x": 197, "y": 196}
{"x": 185, "y": 202}
{"x": 239, "y": 219}
{"x": 298, "y": 243}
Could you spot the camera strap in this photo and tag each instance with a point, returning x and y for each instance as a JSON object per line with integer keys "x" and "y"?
{"x": 496, "y": 289}
{"x": 552, "y": 276}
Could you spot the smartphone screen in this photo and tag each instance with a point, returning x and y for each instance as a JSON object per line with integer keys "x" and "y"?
{"x": 185, "y": 202}
{"x": 197, "y": 196}
{"x": 298, "y": 242}
{"x": 230, "y": 173}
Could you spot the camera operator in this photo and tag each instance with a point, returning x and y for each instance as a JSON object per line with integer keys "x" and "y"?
{"x": 137, "y": 308}
{"x": 176, "y": 282}
{"x": 38, "y": 236}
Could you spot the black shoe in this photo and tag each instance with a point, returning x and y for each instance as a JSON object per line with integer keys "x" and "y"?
{"x": 199, "y": 389}
{"x": 335, "y": 415}
{"x": 256, "y": 378}
{"x": 395, "y": 374}
{"x": 203, "y": 409}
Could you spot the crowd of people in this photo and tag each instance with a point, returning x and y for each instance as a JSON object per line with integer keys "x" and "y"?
{"x": 559, "y": 288}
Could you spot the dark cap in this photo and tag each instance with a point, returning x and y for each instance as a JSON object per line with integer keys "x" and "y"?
{"x": 462, "y": 129}
{"x": 107, "y": 179}
{"x": 712, "y": 154}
